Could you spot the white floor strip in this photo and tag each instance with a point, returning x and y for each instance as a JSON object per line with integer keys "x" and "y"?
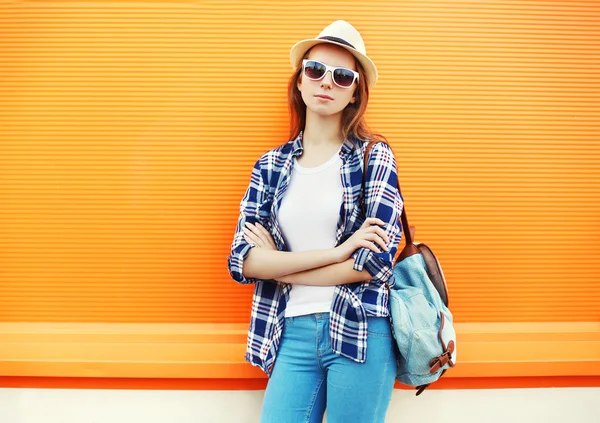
{"x": 548, "y": 405}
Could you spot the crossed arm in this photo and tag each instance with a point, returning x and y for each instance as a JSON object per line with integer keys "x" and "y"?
{"x": 248, "y": 264}
{"x": 332, "y": 274}
{"x": 328, "y": 267}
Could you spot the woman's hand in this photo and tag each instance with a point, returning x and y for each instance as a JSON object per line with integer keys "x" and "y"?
{"x": 258, "y": 235}
{"x": 366, "y": 237}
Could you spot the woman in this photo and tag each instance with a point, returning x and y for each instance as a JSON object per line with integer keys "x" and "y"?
{"x": 318, "y": 265}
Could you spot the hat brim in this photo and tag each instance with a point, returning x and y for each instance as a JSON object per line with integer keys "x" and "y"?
{"x": 301, "y": 47}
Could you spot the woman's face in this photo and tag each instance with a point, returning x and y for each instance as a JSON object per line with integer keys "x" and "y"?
{"x": 313, "y": 92}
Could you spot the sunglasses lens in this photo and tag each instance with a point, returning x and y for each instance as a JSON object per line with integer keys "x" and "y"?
{"x": 314, "y": 70}
{"x": 343, "y": 77}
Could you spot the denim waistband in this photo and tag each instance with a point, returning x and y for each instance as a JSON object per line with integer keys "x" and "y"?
{"x": 312, "y": 316}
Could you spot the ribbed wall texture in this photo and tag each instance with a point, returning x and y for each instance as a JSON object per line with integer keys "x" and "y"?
{"x": 128, "y": 131}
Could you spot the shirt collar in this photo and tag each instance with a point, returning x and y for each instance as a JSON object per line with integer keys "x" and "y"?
{"x": 297, "y": 148}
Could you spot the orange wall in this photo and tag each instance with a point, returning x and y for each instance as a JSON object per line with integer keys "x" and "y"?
{"x": 128, "y": 131}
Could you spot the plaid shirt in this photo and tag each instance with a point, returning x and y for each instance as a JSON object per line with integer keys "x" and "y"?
{"x": 352, "y": 302}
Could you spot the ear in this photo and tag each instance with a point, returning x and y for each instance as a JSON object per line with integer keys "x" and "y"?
{"x": 353, "y": 99}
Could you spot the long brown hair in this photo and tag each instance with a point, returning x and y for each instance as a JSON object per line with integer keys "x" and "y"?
{"x": 354, "y": 124}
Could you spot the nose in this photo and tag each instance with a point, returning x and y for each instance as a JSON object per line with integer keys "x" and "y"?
{"x": 327, "y": 78}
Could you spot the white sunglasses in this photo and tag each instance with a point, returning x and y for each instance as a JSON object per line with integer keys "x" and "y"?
{"x": 342, "y": 77}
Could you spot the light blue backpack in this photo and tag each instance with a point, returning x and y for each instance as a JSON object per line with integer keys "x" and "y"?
{"x": 421, "y": 320}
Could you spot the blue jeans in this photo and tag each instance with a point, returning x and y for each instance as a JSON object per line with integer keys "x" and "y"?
{"x": 308, "y": 376}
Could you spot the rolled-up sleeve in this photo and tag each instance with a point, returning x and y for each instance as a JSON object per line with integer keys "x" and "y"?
{"x": 384, "y": 201}
{"x": 250, "y": 211}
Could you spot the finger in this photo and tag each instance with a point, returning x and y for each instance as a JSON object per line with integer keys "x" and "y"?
{"x": 382, "y": 234}
{"x": 370, "y": 245}
{"x": 375, "y": 220}
{"x": 378, "y": 240}
{"x": 261, "y": 235}
{"x": 262, "y": 229}
{"x": 266, "y": 234}
{"x": 249, "y": 241}
{"x": 254, "y": 228}
{"x": 372, "y": 221}
{"x": 251, "y": 236}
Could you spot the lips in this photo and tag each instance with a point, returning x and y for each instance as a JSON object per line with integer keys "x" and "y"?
{"x": 324, "y": 96}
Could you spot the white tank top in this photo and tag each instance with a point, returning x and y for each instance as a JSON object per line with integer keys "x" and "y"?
{"x": 308, "y": 217}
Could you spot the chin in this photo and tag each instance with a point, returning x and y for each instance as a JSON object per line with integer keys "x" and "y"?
{"x": 326, "y": 113}
{"x": 324, "y": 110}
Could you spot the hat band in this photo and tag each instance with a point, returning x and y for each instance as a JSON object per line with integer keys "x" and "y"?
{"x": 337, "y": 40}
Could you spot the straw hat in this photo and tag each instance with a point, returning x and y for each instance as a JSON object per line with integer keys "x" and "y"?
{"x": 342, "y": 34}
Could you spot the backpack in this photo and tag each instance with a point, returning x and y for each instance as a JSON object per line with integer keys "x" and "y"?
{"x": 418, "y": 305}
